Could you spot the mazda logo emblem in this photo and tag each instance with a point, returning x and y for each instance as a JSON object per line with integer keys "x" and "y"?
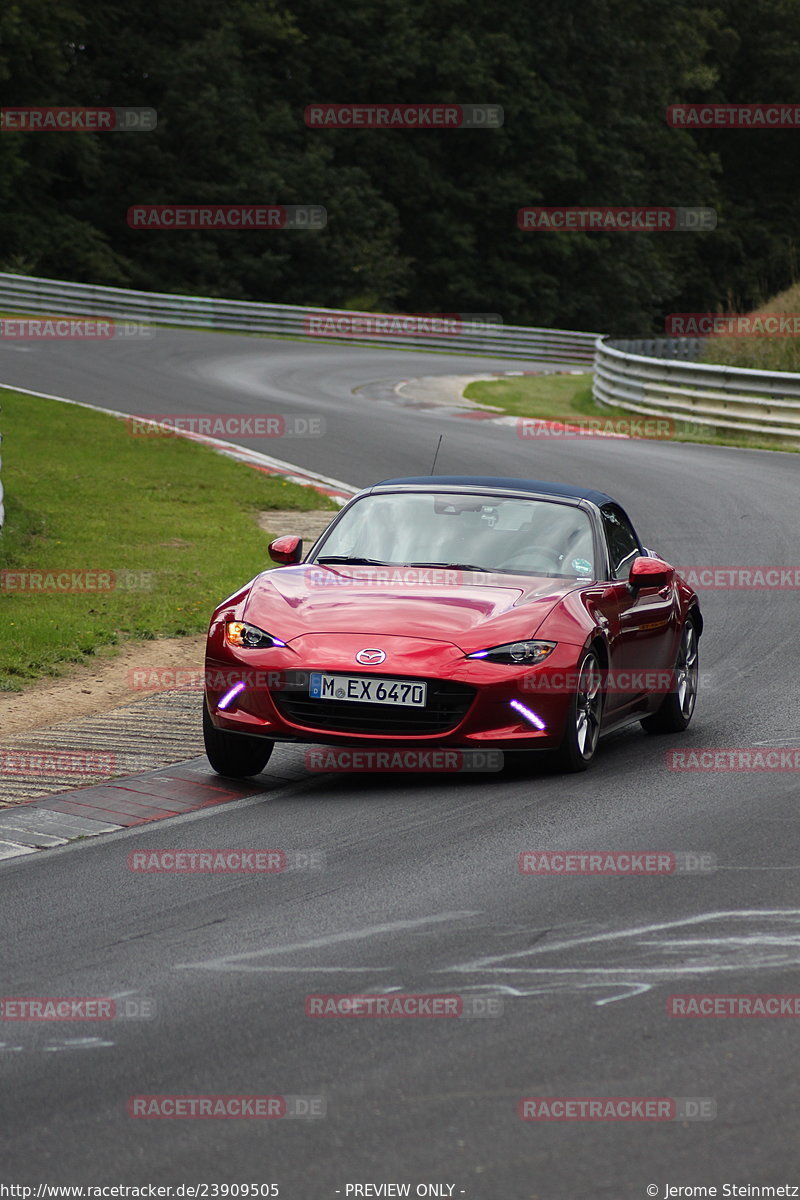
{"x": 370, "y": 657}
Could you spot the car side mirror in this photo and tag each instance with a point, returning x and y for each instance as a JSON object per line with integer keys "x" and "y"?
{"x": 286, "y": 550}
{"x": 650, "y": 573}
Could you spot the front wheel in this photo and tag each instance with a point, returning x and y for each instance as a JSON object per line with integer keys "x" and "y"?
{"x": 234, "y": 754}
{"x": 675, "y": 711}
{"x": 579, "y": 744}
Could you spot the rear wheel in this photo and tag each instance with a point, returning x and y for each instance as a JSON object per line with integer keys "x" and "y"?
{"x": 675, "y": 711}
{"x": 234, "y": 754}
{"x": 579, "y": 744}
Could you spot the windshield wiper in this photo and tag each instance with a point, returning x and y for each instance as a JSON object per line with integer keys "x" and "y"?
{"x": 353, "y": 560}
{"x": 452, "y": 565}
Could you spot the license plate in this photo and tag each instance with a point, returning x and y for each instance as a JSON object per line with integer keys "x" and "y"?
{"x": 365, "y": 689}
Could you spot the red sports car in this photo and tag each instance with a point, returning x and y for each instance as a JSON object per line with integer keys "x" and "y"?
{"x": 457, "y": 612}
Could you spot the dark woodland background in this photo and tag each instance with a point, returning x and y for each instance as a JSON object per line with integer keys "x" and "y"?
{"x": 417, "y": 221}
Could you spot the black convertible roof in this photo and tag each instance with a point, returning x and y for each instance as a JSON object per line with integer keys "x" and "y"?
{"x": 565, "y": 490}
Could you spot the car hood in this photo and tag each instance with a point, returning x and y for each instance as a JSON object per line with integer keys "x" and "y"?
{"x": 291, "y": 601}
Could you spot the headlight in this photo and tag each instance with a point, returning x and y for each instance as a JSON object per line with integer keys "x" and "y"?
{"x": 526, "y": 654}
{"x": 250, "y": 637}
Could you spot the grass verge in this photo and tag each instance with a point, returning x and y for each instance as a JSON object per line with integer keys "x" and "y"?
{"x": 171, "y": 521}
{"x": 568, "y": 398}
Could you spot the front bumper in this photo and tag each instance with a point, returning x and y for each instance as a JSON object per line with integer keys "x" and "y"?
{"x": 469, "y": 700}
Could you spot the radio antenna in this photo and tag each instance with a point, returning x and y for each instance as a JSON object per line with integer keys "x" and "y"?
{"x": 436, "y": 455}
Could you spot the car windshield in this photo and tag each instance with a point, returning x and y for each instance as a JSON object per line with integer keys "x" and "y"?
{"x": 503, "y": 534}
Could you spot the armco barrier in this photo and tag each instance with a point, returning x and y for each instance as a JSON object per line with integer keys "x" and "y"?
{"x": 25, "y": 294}
{"x": 657, "y": 377}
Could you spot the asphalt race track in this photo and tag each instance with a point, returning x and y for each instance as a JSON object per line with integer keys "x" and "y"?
{"x": 420, "y": 890}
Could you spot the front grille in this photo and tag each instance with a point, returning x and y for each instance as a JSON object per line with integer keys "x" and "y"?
{"x": 447, "y": 703}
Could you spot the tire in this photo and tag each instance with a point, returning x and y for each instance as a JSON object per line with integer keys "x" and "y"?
{"x": 579, "y": 744}
{"x": 675, "y": 711}
{"x": 234, "y": 754}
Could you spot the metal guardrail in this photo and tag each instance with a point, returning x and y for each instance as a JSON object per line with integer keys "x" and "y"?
{"x": 659, "y": 377}
{"x": 25, "y": 294}
{"x": 686, "y": 349}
